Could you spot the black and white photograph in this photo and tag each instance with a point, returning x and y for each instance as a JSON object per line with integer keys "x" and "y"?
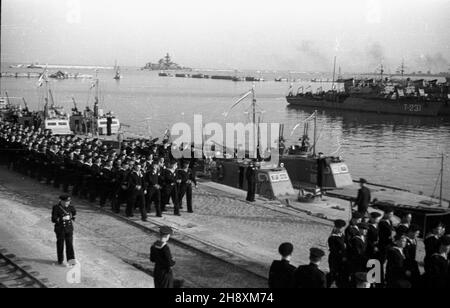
{"x": 239, "y": 145}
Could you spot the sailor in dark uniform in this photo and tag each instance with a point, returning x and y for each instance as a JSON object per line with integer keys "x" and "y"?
{"x": 160, "y": 255}
{"x": 136, "y": 193}
{"x": 363, "y": 198}
{"x": 95, "y": 181}
{"x": 410, "y": 252}
{"x": 69, "y": 177}
{"x": 281, "y": 273}
{"x": 352, "y": 230}
{"x": 187, "y": 177}
{"x": 321, "y": 167}
{"x": 397, "y": 274}
{"x": 169, "y": 183}
{"x": 310, "y": 276}
{"x": 337, "y": 256}
{"x": 406, "y": 220}
{"x": 251, "y": 182}
{"x": 438, "y": 266}
{"x": 432, "y": 243}
{"x": 357, "y": 252}
{"x": 373, "y": 236}
{"x": 153, "y": 189}
{"x": 63, "y": 215}
{"x": 107, "y": 182}
{"x": 385, "y": 233}
{"x": 121, "y": 187}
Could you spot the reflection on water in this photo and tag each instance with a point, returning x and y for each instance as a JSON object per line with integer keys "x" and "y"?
{"x": 388, "y": 149}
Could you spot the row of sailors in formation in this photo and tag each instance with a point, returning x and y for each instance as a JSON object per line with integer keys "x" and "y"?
{"x": 142, "y": 174}
{"x": 352, "y": 246}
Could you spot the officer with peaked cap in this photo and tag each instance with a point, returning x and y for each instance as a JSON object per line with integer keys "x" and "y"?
{"x": 363, "y": 198}
{"x": 63, "y": 215}
{"x": 310, "y": 276}
{"x": 251, "y": 182}
{"x": 160, "y": 255}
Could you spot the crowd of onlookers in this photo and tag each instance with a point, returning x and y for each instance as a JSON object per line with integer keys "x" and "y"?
{"x": 371, "y": 251}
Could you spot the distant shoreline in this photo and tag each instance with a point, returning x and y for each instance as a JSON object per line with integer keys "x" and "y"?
{"x": 312, "y": 73}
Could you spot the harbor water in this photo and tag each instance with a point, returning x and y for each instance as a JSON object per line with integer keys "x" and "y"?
{"x": 391, "y": 150}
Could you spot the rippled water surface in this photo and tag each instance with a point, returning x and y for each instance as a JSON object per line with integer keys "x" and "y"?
{"x": 387, "y": 149}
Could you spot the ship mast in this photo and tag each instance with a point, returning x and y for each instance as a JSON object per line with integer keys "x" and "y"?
{"x": 334, "y": 72}
{"x": 442, "y": 179}
{"x": 381, "y": 71}
{"x": 402, "y": 68}
{"x": 315, "y": 132}
{"x": 255, "y": 130}
{"x": 46, "y": 98}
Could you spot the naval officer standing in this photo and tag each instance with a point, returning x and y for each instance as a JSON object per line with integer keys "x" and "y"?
{"x": 251, "y": 182}
{"x": 63, "y": 215}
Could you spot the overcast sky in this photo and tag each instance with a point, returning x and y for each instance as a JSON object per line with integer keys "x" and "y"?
{"x": 237, "y": 34}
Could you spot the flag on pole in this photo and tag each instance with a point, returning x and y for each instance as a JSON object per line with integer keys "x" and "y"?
{"x": 42, "y": 78}
{"x": 167, "y": 134}
{"x": 238, "y": 101}
{"x": 295, "y": 127}
{"x": 312, "y": 116}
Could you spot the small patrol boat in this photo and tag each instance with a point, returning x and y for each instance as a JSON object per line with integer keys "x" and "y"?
{"x": 94, "y": 121}
{"x": 52, "y": 118}
{"x": 297, "y": 166}
{"x": 309, "y": 169}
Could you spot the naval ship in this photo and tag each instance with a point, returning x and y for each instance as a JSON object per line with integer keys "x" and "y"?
{"x": 377, "y": 96}
{"x": 94, "y": 121}
{"x": 300, "y": 164}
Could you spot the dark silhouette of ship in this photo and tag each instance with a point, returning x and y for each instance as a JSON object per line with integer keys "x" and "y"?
{"x": 405, "y": 97}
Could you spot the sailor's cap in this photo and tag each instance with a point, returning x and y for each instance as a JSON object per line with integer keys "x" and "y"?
{"x": 285, "y": 249}
{"x": 363, "y": 226}
{"x": 64, "y": 198}
{"x": 375, "y": 215}
{"x": 339, "y": 223}
{"x": 165, "y": 230}
{"x": 316, "y": 252}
